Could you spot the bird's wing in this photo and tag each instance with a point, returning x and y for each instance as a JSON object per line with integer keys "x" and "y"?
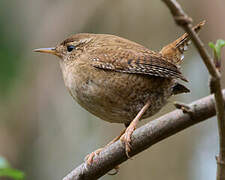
{"x": 130, "y": 61}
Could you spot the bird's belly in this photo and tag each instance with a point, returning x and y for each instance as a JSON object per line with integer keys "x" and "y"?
{"x": 118, "y": 97}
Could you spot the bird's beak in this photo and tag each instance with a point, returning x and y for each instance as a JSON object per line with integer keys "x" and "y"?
{"x": 50, "y": 50}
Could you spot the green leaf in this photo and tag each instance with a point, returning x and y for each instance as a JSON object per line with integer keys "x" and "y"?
{"x": 7, "y": 171}
{"x": 12, "y": 173}
{"x": 217, "y": 48}
{"x": 4, "y": 163}
{"x": 211, "y": 45}
{"x": 220, "y": 43}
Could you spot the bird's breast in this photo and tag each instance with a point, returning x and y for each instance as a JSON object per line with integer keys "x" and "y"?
{"x": 113, "y": 96}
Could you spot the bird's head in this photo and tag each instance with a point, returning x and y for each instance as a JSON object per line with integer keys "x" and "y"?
{"x": 71, "y": 47}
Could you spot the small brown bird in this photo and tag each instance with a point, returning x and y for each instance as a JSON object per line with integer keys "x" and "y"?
{"x": 118, "y": 80}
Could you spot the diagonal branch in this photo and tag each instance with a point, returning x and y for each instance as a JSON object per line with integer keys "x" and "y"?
{"x": 184, "y": 21}
{"x": 146, "y": 136}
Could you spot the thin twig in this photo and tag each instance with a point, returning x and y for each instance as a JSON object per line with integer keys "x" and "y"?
{"x": 144, "y": 137}
{"x": 185, "y": 22}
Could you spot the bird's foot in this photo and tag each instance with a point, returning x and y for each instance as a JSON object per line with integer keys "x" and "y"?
{"x": 126, "y": 138}
{"x": 89, "y": 158}
{"x": 184, "y": 107}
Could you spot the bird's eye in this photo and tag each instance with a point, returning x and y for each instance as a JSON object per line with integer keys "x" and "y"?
{"x": 70, "y": 48}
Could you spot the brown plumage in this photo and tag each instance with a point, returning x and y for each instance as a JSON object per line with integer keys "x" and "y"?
{"x": 125, "y": 56}
{"x": 115, "y": 79}
{"x": 175, "y": 50}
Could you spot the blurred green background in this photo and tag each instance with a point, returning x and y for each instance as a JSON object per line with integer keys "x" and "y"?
{"x": 46, "y": 134}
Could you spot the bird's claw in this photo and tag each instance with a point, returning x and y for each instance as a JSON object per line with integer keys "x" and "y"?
{"x": 89, "y": 158}
{"x": 184, "y": 107}
{"x": 126, "y": 139}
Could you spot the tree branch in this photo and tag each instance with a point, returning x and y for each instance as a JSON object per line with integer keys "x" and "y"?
{"x": 185, "y": 22}
{"x": 146, "y": 136}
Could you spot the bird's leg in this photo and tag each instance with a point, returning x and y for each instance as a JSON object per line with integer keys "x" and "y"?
{"x": 126, "y": 137}
{"x": 89, "y": 157}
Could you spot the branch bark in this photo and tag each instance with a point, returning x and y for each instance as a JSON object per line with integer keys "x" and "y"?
{"x": 146, "y": 136}
{"x": 183, "y": 20}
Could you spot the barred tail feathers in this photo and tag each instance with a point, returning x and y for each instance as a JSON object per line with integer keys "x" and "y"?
{"x": 175, "y": 50}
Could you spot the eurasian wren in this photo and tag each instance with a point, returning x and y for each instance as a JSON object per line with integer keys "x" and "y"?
{"x": 117, "y": 79}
